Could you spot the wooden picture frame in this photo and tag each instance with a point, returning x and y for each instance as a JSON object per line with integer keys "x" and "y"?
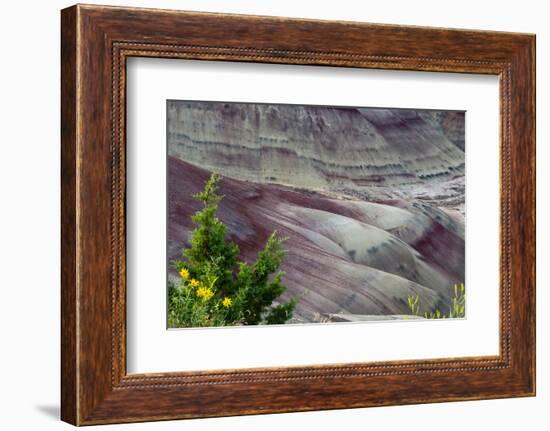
{"x": 96, "y": 41}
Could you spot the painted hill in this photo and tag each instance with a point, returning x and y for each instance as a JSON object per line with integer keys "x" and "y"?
{"x": 345, "y": 256}
{"x": 371, "y": 200}
{"x": 319, "y": 147}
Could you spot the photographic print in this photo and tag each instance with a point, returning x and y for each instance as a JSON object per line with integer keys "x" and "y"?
{"x": 289, "y": 214}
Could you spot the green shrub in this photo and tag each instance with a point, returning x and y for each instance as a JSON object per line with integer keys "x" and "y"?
{"x": 457, "y": 309}
{"x": 214, "y": 288}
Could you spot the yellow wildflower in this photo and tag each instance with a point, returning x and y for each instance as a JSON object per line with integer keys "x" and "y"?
{"x": 227, "y": 302}
{"x": 184, "y": 273}
{"x": 205, "y": 293}
{"x": 194, "y": 283}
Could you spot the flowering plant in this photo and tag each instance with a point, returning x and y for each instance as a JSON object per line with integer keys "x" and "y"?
{"x": 214, "y": 288}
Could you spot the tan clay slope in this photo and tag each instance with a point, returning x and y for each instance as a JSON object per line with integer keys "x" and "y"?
{"x": 319, "y": 147}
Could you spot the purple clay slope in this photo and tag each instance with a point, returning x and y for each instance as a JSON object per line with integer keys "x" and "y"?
{"x": 371, "y": 200}
{"x": 347, "y": 258}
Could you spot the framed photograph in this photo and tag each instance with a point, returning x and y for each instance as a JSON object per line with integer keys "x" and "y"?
{"x": 265, "y": 214}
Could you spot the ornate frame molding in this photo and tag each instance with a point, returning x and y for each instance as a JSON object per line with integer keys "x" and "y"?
{"x": 96, "y": 41}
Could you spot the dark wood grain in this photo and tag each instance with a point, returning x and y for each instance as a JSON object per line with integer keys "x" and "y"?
{"x": 69, "y": 398}
{"x": 96, "y": 41}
